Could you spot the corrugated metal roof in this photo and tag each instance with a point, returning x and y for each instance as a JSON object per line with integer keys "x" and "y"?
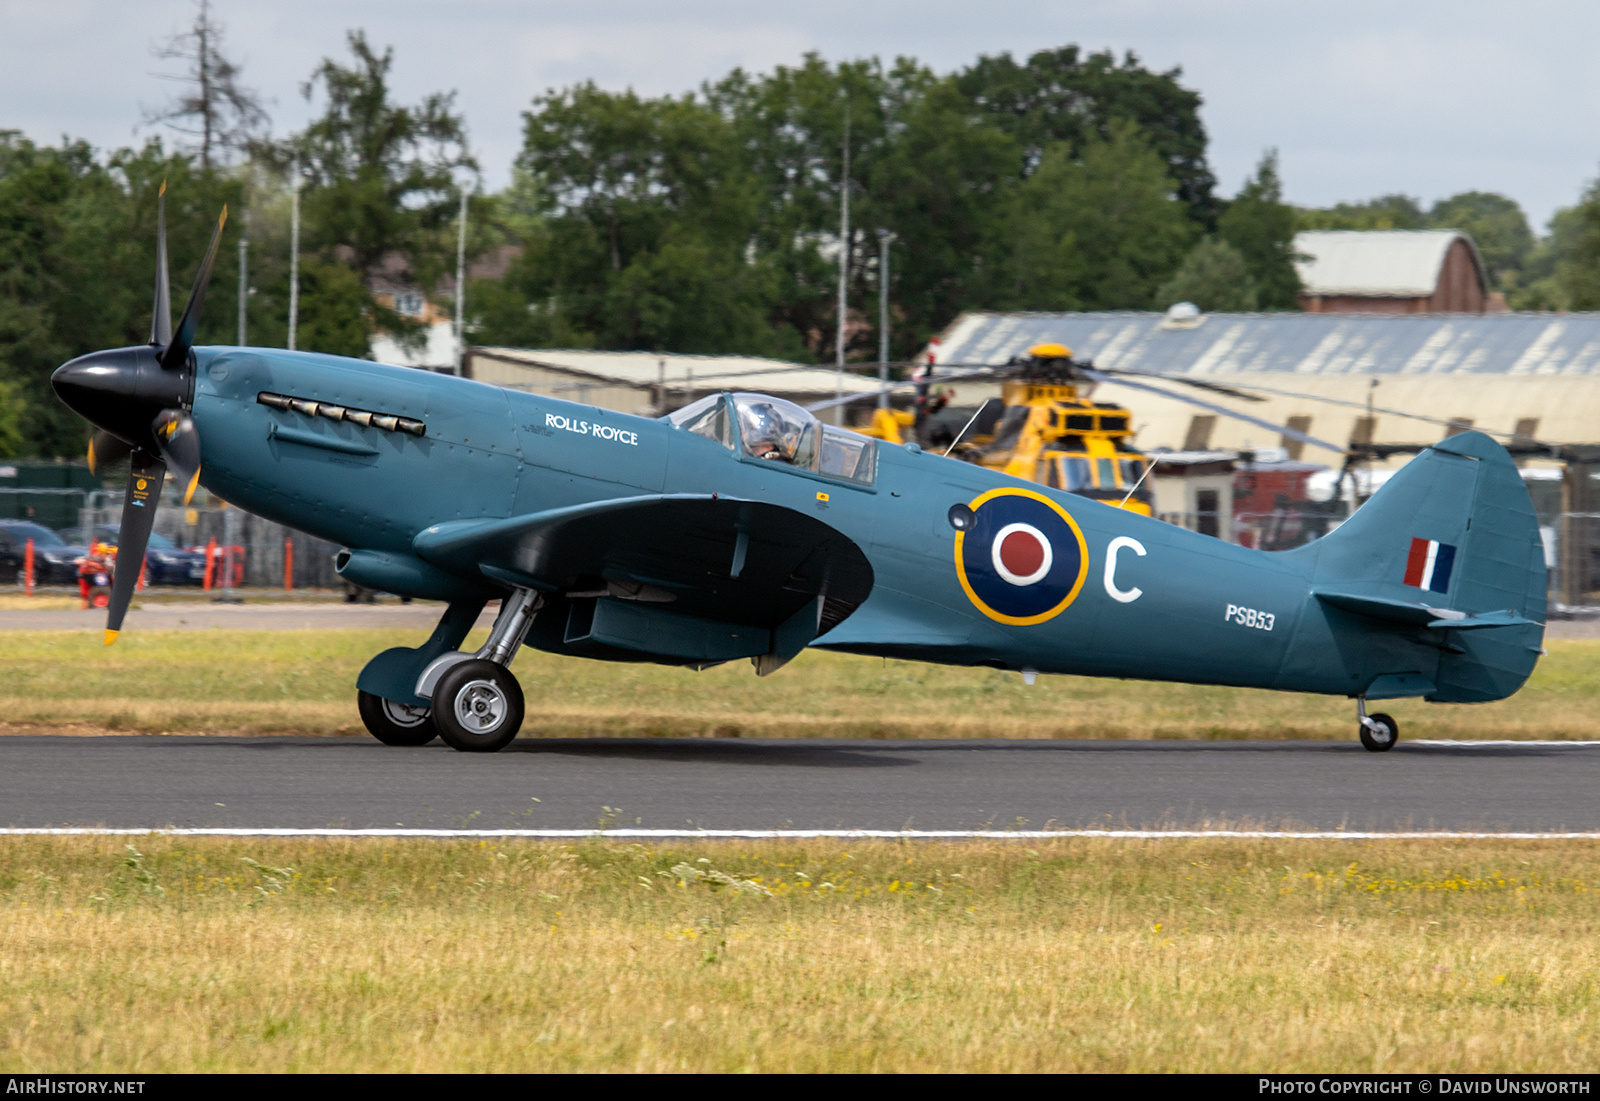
{"x": 1294, "y": 343}
{"x": 1495, "y": 371}
{"x": 1401, "y": 263}
{"x": 644, "y": 369}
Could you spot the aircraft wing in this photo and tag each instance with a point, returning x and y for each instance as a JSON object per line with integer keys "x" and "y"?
{"x": 673, "y": 568}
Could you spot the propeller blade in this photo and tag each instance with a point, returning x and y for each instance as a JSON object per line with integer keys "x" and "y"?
{"x": 1282, "y": 429}
{"x": 105, "y": 449}
{"x": 138, "y": 515}
{"x": 183, "y": 339}
{"x": 179, "y": 441}
{"x": 161, "y": 313}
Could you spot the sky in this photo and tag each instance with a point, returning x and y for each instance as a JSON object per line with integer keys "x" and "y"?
{"x": 1363, "y": 98}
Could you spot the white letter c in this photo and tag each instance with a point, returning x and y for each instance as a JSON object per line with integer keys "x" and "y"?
{"x": 1124, "y": 596}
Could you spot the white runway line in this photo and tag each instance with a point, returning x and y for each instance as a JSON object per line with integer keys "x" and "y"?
{"x": 1459, "y": 743}
{"x": 780, "y": 835}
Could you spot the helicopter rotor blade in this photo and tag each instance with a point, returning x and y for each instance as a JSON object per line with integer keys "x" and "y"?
{"x": 1198, "y": 384}
{"x": 819, "y": 406}
{"x": 1282, "y": 429}
{"x": 1364, "y": 407}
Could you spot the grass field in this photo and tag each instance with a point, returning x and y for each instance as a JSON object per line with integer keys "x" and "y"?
{"x": 303, "y": 682}
{"x": 213, "y": 954}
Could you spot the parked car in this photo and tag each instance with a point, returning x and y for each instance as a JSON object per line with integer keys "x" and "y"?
{"x": 165, "y": 563}
{"x": 55, "y": 561}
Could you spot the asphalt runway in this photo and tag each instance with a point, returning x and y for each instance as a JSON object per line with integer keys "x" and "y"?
{"x": 165, "y": 781}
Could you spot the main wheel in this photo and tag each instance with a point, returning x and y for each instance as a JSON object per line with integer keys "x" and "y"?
{"x": 1384, "y": 737}
{"x": 477, "y": 706}
{"x": 395, "y": 723}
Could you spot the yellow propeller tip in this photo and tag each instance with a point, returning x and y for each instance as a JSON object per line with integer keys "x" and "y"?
{"x": 111, "y": 636}
{"x": 222, "y": 221}
{"x": 163, "y": 190}
{"x": 194, "y": 484}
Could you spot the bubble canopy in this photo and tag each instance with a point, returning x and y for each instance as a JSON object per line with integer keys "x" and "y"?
{"x": 772, "y": 429}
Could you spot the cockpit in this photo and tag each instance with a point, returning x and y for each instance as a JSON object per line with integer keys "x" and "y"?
{"x": 773, "y": 430}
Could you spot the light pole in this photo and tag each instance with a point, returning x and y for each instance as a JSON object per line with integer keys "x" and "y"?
{"x": 844, "y": 265}
{"x": 461, "y": 289}
{"x": 884, "y": 237}
{"x": 244, "y": 279}
{"x": 294, "y": 249}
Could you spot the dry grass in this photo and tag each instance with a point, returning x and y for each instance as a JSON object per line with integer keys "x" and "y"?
{"x": 303, "y": 682}
{"x": 209, "y": 954}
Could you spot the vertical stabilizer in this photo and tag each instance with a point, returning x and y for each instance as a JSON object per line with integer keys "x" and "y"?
{"x": 1450, "y": 545}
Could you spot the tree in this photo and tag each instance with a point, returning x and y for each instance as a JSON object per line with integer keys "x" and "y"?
{"x": 1100, "y": 233}
{"x": 77, "y": 260}
{"x": 382, "y": 177}
{"x": 1498, "y": 226}
{"x": 1214, "y": 276}
{"x": 214, "y": 108}
{"x": 1259, "y": 227}
{"x": 1384, "y": 212}
{"x": 1575, "y": 254}
{"x": 1062, "y": 96}
{"x": 646, "y": 221}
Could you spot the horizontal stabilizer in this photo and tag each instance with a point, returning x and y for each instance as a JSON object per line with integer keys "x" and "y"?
{"x": 1416, "y": 613}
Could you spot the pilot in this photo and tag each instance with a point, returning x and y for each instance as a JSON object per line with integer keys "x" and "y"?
{"x": 767, "y": 434}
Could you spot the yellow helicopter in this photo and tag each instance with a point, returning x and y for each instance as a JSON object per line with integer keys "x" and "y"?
{"x": 1044, "y": 429}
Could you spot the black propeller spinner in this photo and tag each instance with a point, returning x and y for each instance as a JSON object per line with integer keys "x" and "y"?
{"x": 139, "y": 400}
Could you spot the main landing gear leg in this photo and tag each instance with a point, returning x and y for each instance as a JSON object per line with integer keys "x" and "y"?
{"x": 1378, "y": 732}
{"x": 477, "y": 703}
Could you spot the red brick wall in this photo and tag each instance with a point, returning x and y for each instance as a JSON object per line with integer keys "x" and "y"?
{"x": 1460, "y": 288}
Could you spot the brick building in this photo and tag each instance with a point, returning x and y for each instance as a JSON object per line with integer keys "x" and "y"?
{"x": 1392, "y": 271}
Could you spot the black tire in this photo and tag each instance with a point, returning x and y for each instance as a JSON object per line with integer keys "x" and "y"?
{"x": 1382, "y": 740}
{"x": 395, "y": 724}
{"x": 477, "y": 706}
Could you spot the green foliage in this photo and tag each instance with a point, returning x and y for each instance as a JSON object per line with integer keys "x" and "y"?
{"x": 1384, "y": 212}
{"x": 333, "y": 310}
{"x": 1061, "y": 96}
{"x": 1496, "y": 223}
{"x": 710, "y": 222}
{"x": 1577, "y": 264}
{"x": 1260, "y": 227}
{"x": 381, "y": 174}
{"x": 77, "y": 263}
{"x": 1214, "y": 276}
{"x": 1102, "y": 231}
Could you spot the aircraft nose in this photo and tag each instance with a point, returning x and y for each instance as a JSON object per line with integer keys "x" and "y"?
{"x": 120, "y": 390}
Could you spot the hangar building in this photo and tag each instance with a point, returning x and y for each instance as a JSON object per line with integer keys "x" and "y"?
{"x": 1534, "y": 375}
{"x": 652, "y": 383}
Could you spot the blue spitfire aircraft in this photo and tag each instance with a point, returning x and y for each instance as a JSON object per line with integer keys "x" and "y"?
{"x": 741, "y": 527}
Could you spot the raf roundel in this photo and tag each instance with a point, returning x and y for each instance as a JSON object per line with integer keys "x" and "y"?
{"x": 1020, "y": 556}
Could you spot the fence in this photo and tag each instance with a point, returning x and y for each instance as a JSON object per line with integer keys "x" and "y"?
{"x": 259, "y": 542}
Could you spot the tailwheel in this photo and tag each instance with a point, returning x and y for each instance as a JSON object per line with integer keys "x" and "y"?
{"x": 1379, "y": 732}
{"x": 395, "y": 723}
{"x": 477, "y": 706}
